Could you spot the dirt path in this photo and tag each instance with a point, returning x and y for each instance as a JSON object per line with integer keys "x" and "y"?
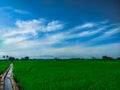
{"x": 7, "y": 81}
{"x": 2, "y": 77}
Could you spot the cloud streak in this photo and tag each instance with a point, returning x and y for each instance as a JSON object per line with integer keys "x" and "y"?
{"x": 43, "y": 37}
{"x": 107, "y": 34}
{"x": 31, "y": 27}
{"x": 20, "y": 11}
{"x": 11, "y": 9}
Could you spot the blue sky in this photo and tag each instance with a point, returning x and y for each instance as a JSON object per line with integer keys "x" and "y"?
{"x": 62, "y": 28}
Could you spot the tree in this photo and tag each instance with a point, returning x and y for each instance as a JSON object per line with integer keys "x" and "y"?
{"x": 57, "y": 59}
{"x": 107, "y": 58}
{"x": 118, "y": 58}
{"x": 11, "y": 58}
{"x": 26, "y": 58}
{"x": 4, "y": 56}
{"x": 22, "y": 58}
{"x": 93, "y": 58}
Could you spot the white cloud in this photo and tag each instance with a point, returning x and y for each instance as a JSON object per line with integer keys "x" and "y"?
{"x": 87, "y": 25}
{"x": 104, "y": 22}
{"x": 20, "y": 35}
{"x": 107, "y": 34}
{"x": 11, "y": 9}
{"x": 54, "y": 25}
{"x": 21, "y": 11}
{"x": 32, "y": 26}
{"x": 22, "y": 39}
{"x": 113, "y": 31}
{"x": 81, "y": 27}
{"x": 76, "y": 50}
{"x": 14, "y": 40}
{"x": 108, "y": 49}
{"x": 86, "y": 33}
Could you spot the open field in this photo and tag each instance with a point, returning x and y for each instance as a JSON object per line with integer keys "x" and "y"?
{"x": 67, "y": 75}
{"x": 3, "y": 65}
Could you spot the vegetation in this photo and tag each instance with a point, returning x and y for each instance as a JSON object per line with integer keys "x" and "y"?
{"x": 25, "y": 58}
{"x": 3, "y": 65}
{"x": 11, "y": 58}
{"x": 68, "y": 75}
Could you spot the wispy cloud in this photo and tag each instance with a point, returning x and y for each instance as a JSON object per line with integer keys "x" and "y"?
{"x": 107, "y": 34}
{"x": 81, "y": 27}
{"x": 25, "y": 33}
{"x": 32, "y": 26}
{"x": 86, "y": 25}
{"x": 21, "y": 11}
{"x": 86, "y": 31}
{"x": 11, "y": 9}
{"x": 104, "y": 22}
{"x": 76, "y": 50}
{"x": 14, "y": 40}
{"x": 38, "y": 36}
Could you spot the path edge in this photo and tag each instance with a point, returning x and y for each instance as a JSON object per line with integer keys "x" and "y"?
{"x": 3, "y": 78}
{"x": 14, "y": 84}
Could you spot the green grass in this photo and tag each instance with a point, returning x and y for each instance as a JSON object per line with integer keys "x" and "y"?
{"x": 67, "y": 75}
{"x": 3, "y": 66}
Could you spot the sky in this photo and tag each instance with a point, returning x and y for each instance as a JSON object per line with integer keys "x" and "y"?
{"x": 60, "y": 28}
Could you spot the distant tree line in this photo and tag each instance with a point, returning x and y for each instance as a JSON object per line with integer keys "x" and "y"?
{"x": 92, "y": 58}
{"x": 11, "y": 58}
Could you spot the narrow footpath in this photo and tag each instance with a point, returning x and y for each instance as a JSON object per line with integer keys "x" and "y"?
{"x": 7, "y": 83}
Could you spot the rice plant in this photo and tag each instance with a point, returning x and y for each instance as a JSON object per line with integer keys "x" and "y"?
{"x": 67, "y": 75}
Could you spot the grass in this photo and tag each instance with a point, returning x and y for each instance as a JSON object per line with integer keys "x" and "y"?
{"x": 3, "y": 66}
{"x": 67, "y": 75}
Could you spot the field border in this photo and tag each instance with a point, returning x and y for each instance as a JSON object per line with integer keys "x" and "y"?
{"x": 14, "y": 84}
{"x": 2, "y": 79}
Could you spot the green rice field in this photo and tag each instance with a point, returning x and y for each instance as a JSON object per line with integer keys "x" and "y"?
{"x": 67, "y": 75}
{"x": 3, "y": 66}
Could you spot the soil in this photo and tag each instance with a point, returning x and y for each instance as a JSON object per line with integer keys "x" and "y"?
{"x": 2, "y": 79}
